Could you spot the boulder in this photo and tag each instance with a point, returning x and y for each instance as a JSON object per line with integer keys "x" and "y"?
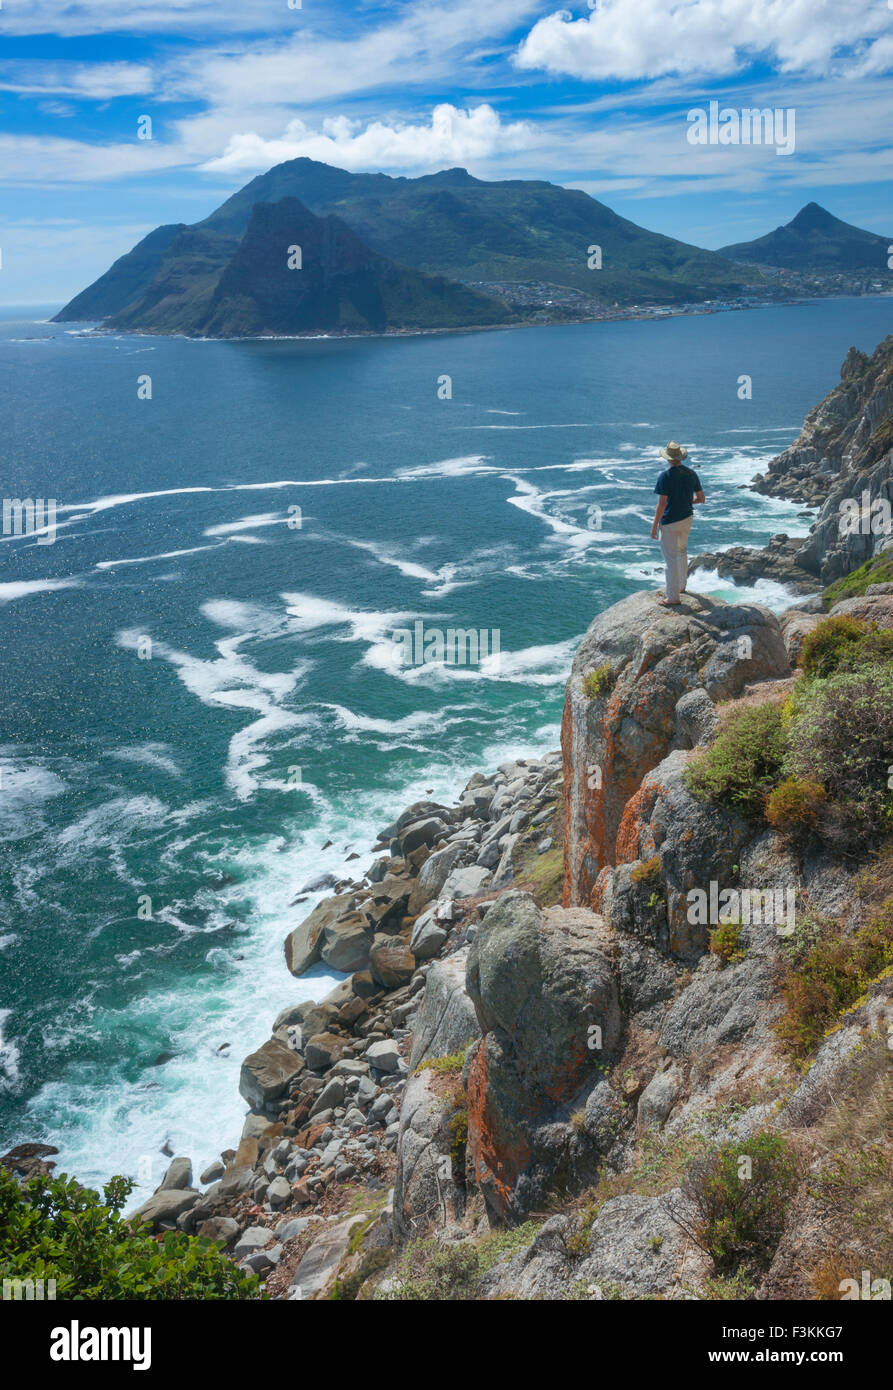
{"x": 433, "y": 875}
{"x": 222, "y": 1229}
{"x": 546, "y": 999}
{"x": 323, "y": 1050}
{"x": 303, "y": 946}
{"x": 346, "y": 943}
{"x": 278, "y": 1193}
{"x": 179, "y": 1174}
{"x": 383, "y": 1055}
{"x": 391, "y": 962}
{"x": 465, "y": 883}
{"x": 427, "y": 936}
{"x": 636, "y": 1244}
{"x": 421, "y": 832}
{"x": 446, "y": 1019}
{"x": 659, "y": 1097}
{"x": 252, "y": 1239}
{"x": 267, "y": 1073}
{"x": 163, "y": 1208}
{"x": 320, "y": 1264}
{"x": 424, "y": 1189}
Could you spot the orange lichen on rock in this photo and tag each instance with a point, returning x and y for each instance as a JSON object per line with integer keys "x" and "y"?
{"x": 497, "y": 1152}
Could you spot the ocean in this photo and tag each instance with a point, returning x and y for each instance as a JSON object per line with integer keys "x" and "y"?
{"x": 203, "y": 706}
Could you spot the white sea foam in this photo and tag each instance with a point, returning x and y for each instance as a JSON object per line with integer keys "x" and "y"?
{"x": 25, "y": 789}
{"x": 232, "y": 681}
{"x": 9, "y": 1057}
{"x": 150, "y": 754}
{"x": 768, "y": 592}
{"x": 24, "y": 588}
{"x": 146, "y": 559}
{"x": 247, "y": 523}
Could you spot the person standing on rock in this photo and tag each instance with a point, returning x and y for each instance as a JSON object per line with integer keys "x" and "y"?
{"x": 679, "y": 490}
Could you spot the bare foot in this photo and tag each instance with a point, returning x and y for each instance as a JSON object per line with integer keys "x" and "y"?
{"x": 668, "y": 603}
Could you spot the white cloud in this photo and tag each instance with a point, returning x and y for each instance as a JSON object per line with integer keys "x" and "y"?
{"x": 71, "y": 17}
{"x": 52, "y": 159}
{"x": 633, "y": 39}
{"x": 94, "y": 81}
{"x": 452, "y": 136}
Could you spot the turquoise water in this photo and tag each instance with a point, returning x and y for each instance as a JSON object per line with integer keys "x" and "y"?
{"x": 521, "y": 504}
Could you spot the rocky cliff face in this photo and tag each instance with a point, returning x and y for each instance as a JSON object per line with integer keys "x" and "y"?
{"x": 661, "y": 674}
{"x": 842, "y": 463}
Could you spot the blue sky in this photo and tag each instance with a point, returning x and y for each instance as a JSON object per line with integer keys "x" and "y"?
{"x": 595, "y": 96}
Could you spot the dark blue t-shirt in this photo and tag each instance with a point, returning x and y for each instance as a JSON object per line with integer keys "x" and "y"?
{"x": 679, "y": 484}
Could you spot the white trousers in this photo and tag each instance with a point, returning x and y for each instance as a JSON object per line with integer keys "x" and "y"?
{"x": 674, "y": 544}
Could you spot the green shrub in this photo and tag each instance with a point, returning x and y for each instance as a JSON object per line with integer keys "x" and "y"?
{"x": 878, "y": 570}
{"x": 647, "y": 871}
{"x": 428, "y": 1274}
{"x": 52, "y": 1228}
{"x": 825, "y": 973}
{"x": 744, "y": 762}
{"x": 794, "y": 804}
{"x": 724, "y": 942}
{"x": 598, "y": 682}
{"x": 840, "y": 734}
{"x": 842, "y": 643}
{"x": 458, "y": 1137}
{"x": 739, "y": 1219}
{"x": 346, "y": 1290}
{"x": 454, "y": 1061}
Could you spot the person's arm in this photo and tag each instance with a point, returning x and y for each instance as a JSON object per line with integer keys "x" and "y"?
{"x": 698, "y": 498}
{"x": 658, "y": 513}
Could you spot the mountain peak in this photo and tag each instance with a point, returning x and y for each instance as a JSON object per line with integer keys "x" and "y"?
{"x": 814, "y": 217}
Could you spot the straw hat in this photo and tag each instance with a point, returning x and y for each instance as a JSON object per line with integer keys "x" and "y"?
{"x": 674, "y": 452}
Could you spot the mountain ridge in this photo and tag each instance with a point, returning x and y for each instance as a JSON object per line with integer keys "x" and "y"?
{"x": 450, "y": 224}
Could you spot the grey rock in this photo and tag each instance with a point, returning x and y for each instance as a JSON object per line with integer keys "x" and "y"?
{"x": 213, "y": 1171}
{"x": 320, "y": 1264}
{"x": 659, "y": 1097}
{"x": 383, "y": 1055}
{"x": 178, "y": 1175}
{"x": 446, "y": 1019}
{"x": 637, "y": 1244}
{"x": 252, "y": 1239}
{"x": 267, "y": 1073}
{"x": 279, "y": 1193}
{"x": 163, "y": 1207}
{"x": 465, "y": 883}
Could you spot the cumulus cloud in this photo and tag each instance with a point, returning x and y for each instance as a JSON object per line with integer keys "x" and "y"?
{"x": 635, "y": 39}
{"x": 452, "y": 136}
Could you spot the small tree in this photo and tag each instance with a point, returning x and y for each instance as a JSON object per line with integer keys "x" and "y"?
{"x": 52, "y": 1228}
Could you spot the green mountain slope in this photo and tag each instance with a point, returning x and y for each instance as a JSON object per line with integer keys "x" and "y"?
{"x": 212, "y": 284}
{"x": 124, "y": 281}
{"x": 454, "y": 225}
{"x": 815, "y": 240}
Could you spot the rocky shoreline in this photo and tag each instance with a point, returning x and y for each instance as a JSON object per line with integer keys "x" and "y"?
{"x": 326, "y": 1089}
